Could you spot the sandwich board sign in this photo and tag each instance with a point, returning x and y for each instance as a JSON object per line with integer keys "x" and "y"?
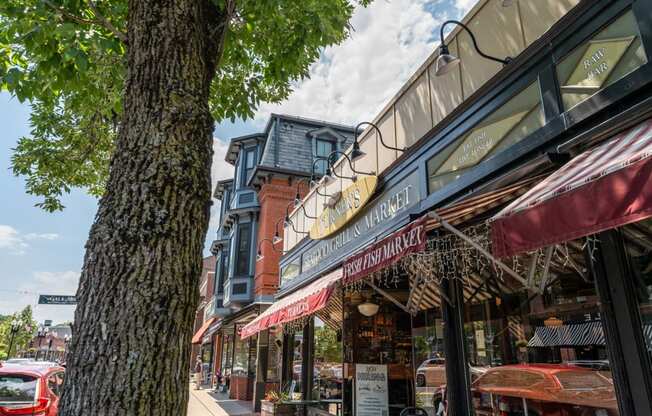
{"x": 371, "y": 395}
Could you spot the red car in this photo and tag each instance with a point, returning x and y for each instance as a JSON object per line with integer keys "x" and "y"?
{"x": 544, "y": 390}
{"x": 30, "y": 389}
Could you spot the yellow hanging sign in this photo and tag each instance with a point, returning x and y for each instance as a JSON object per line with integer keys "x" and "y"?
{"x": 350, "y": 202}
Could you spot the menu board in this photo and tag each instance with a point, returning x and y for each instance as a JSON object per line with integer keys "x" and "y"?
{"x": 371, "y": 398}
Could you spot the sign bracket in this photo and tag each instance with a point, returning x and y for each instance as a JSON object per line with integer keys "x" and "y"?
{"x": 388, "y": 296}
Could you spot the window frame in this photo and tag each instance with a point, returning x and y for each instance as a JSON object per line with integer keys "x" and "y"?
{"x": 239, "y": 252}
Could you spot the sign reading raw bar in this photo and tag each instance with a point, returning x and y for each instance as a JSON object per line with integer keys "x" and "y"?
{"x": 409, "y": 239}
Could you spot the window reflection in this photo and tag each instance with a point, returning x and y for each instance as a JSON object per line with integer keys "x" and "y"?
{"x": 638, "y": 244}
{"x": 534, "y": 353}
{"x": 327, "y": 373}
{"x": 296, "y": 388}
{"x": 430, "y": 377}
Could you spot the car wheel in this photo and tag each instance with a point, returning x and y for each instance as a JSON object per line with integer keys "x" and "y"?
{"x": 421, "y": 380}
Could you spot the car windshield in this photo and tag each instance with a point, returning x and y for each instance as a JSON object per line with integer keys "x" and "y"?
{"x": 17, "y": 388}
{"x": 585, "y": 380}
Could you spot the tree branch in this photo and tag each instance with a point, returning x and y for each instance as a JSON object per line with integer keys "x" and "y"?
{"x": 106, "y": 23}
{"x": 100, "y": 21}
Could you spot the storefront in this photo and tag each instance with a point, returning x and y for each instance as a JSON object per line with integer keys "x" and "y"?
{"x": 503, "y": 265}
{"x": 237, "y": 356}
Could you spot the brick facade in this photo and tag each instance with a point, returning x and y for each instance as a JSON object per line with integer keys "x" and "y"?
{"x": 274, "y": 197}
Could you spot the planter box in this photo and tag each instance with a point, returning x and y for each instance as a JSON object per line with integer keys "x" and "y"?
{"x": 275, "y": 409}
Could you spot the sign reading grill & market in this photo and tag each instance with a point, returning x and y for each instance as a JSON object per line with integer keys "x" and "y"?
{"x": 350, "y": 202}
{"x": 390, "y": 204}
{"x": 409, "y": 239}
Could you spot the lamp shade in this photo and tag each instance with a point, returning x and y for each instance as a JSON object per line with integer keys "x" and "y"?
{"x": 368, "y": 308}
{"x": 445, "y": 63}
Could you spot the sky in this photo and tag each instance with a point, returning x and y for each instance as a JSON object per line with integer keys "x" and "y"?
{"x": 42, "y": 253}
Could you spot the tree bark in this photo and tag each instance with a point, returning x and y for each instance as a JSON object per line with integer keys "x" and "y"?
{"x": 139, "y": 284}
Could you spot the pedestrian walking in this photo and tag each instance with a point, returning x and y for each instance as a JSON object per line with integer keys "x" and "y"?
{"x": 198, "y": 373}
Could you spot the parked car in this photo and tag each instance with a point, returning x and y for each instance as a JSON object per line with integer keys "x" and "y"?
{"x": 18, "y": 361}
{"x": 432, "y": 373}
{"x": 30, "y": 389}
{"x": 544, "y": 390}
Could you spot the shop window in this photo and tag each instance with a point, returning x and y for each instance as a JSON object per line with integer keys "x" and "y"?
{"x": 227, "y": 354}
{"x": 508, "y": 125}
{"x": 295, "y": 387}
{"x": 538, "y": 354}
{"x": 244, "y": 249}
{"x": 274, "y": 353}
{"x": 638, "y": 243}
{"x": 241, "y": 356}
{"x": 327, "y": 372}
{"x": 429, "y": 361}
{"x": 610, "y": 55}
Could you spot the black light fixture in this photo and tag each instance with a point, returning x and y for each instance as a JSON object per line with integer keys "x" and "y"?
{"x": 446, "y": 62}
{"x": 287, "y": 222}
{"x": 277, "y": 238}
{"x": 354, "y": 177}
{"x": 259, "y": 253}
{"x": 356, "y": 145}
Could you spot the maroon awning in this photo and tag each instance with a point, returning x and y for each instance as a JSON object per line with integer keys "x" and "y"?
{"x": 384, "y": 253}
{"x": 196, "y": 339}
{"x": 605, "y": 187}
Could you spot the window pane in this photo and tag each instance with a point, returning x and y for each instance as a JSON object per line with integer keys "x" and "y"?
{"x": 17, "y": 388}
{"x": 538, "y": 354}
{"x": 244, "y": 245}
{"x": 274, "y": 354}
{"x": 327, "y": 373}
{"x": 241, "y": 356}
{"x": 295, "y": 388}
{"x": 638, "y": 239}
{"x": 515, "y": 120}
{"x": 324, "y": 149}
{"x": 430, "y": 377}
{"x": 609, "y": 56}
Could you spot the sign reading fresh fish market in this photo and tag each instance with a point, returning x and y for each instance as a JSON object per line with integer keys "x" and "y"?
{"x": 350, "y": 202}
{"x": 383, "y": 209}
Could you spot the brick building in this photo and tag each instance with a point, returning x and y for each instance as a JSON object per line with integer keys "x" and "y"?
{"x": 271, "y": 169}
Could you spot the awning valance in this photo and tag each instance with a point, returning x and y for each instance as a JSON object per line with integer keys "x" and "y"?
{"x": 570, "y": 335}
{"x": 602, "y": 188}
{"x": 305, "y": 301}
{"x": 197, "y": 338}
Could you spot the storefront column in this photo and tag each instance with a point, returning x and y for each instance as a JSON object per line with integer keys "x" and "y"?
{"x": 307, "y": 373}
{"x": 262, "y": 352}
{"x": 624, "y": 339}
{"x": 457, "y": 371}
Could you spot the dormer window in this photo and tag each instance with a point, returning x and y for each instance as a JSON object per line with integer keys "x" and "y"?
{"x": 324, "y": 148}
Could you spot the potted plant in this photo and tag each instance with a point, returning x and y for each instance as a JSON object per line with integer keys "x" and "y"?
{"x": 275, "y": 403}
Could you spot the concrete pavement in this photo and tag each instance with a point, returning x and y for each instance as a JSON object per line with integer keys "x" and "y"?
{"x": 208, "y": 403}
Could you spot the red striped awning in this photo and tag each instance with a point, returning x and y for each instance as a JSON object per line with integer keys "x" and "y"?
{"x": 196, "y": 339}
{"x": 304, "y": 302}
{"x": 605, "y": 187}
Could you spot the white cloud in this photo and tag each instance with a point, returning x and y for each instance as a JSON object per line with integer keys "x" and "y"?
{"x": 13, "y": 242}
{"x": 464, "y": 6}
{"x": 354, "y": 80}
{"x": 43, "y": 283}
{"x": 44, "y": 236}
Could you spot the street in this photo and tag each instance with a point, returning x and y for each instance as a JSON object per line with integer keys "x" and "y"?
{"x": 207, "y": 403}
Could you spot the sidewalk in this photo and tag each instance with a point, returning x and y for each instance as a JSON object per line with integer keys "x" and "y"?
{"x": 208, "y": 403}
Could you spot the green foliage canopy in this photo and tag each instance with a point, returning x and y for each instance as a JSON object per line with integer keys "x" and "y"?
{"x": 26, "y": 331}
{"x": 66, "y": 57}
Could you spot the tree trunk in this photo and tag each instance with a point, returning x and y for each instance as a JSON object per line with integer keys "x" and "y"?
{"x": 139, "y": 284}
